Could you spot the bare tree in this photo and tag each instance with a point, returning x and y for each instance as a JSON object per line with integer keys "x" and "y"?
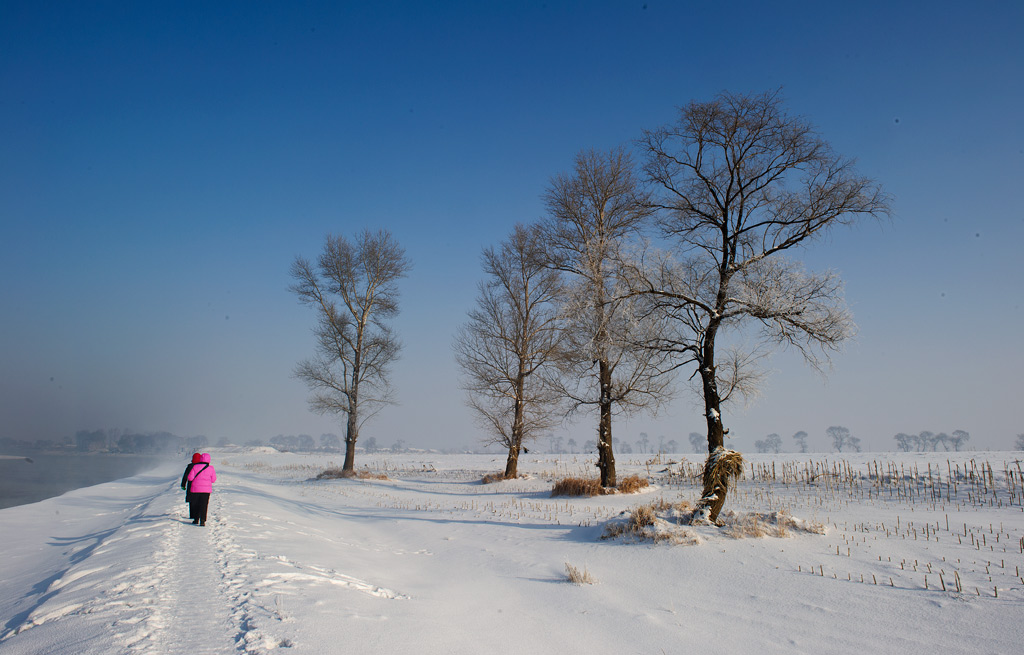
{"x": 555, "y": 444}
{"x": 904, "y": 442}
{"x": 770, "y": 444}
{"x": 926, "y": 440}
{"x": 510, "y": 342}
{"x": 740, "y": 182}
{"x": 1019, "y": 444}
{"x": 841, "y": 438}
{"x": 353, "y": 290}
{"x": 592, "y": 215}
{"x": 959, "y": 439}
{"x": 330, "y": 441}
{"x": 698, "y": 441}
{"x": 801, "y": 440}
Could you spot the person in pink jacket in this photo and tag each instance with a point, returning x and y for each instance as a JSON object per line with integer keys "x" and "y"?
{"x": 202, "y": 476}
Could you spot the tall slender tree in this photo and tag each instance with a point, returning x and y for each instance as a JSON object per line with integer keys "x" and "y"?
{"x": 960, "y": 439}
{"x": 508, "y": 347}
{"x": 353, "y": 290}
{"x": 593, "y": 215}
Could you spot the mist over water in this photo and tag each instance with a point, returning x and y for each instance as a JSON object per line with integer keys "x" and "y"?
{"x": 50, "y": 475}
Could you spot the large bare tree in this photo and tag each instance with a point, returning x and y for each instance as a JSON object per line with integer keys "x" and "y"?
{"x": 353, "y": 290}
{"x": 593, "y": 216}
{"x": 739, "y": 182}
{"x": 508, "y": 346}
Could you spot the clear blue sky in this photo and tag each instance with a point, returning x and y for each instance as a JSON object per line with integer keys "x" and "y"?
{"x": 162, "y": 164}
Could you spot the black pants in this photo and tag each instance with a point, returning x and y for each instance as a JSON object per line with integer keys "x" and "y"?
{"x": 200, "y": 503}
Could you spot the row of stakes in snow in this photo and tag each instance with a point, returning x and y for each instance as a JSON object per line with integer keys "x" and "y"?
{"x": 958, "y": 487}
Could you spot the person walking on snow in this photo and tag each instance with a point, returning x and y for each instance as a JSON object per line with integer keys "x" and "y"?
{"x": 201, "y": 479}
{"x": 185, "y": 486}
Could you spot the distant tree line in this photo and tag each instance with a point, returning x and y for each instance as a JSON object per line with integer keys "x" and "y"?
{"x": 925, "y": 441}
{"x": 112, "y": 441}
{"x": 158, "y": 443}
{"x": 842, "y": 440}
{"x": 557, "y": 444}
{"x": 840, "y": 437}
{"x": 137, "y": 443}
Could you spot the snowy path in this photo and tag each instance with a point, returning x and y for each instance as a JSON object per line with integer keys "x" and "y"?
{"x": 148, "y": 578}
{"x": 191, "y": 595}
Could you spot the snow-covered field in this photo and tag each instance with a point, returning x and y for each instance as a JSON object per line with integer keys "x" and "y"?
{"x": 922, "y": 554}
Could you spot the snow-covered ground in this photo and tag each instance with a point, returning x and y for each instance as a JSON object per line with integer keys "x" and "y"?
{"x": 431, "y": 561}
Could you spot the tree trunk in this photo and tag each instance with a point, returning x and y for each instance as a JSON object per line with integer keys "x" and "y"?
{"x": 518, "y": 422}
{"x": 712, "y": 401}
{"x": 713, "y": 495}
{"x": 351, "y": 436}
{"x": 512, "y": 463}
{"x": 352, "y": 425}
{"x": 605, "y": 454}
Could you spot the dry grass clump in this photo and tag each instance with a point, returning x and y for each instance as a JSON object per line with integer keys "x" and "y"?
{"x": 335, "y": 474}
{"x": 579, "y": 577}
{"x": 592, "y": 486}
{"x": 643, "y": 516}
{"x": 632, "y": 484}
{"x": 616, "y": 529}
{"x": 753, "y": 526}
{"x": 643, "y": 524}
{"x": 491, "y": 478}
{"x": 578, "y": 487}
{"x": 722, "y": 467}
{"x": 680, "y": 507}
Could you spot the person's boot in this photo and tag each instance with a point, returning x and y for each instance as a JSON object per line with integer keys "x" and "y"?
{"x": 195, "y": 521}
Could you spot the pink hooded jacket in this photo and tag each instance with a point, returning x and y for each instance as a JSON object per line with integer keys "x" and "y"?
{"x": 202, "y": 476}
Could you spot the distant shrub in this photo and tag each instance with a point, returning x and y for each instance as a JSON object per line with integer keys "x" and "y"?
{"x": 578, "y": 487}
